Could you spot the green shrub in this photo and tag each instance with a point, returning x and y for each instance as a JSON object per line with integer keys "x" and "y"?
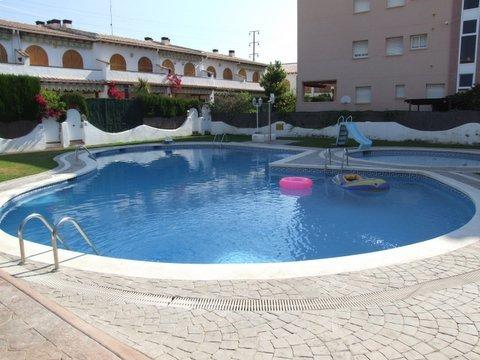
{"x": 232, "y": 103}
{"x": 75, "y": 100}
{"x": 165, "y": 107}
{"x": 17, "y": 98}
{"x": 467, "y": 100}
{"x": 287, "y": 103}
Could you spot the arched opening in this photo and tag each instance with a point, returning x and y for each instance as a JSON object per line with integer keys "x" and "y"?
{"x": 242, "y": 73}
{"x": 227, "y": 74}
{"x": 3, "y": 55}
{"x": 212, "y": 71}
{"x": 256, "y": 77}
{"x": 189, "y": 70}
{"x": 168, "y": 64}
{"x": 72, "y": 59}
{"x": 117, "y": 62}
{"x": 145, "y": 65}
{"x": 38, "y": 56}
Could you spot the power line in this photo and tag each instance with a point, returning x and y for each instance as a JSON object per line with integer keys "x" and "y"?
{"x": 111, "y": 18}
{"x": 254, "y": 43}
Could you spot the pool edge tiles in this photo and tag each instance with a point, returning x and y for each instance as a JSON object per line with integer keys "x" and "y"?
{"x": 457, "y": 239}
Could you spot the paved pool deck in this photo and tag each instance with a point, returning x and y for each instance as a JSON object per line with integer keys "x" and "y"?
{"x": 425, "y": 309}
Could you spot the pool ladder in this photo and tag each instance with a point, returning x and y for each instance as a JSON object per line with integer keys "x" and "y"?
{"x": 83, "y": 147}
{"x": 54, "y": 236}
{"x": 220, "y": 138}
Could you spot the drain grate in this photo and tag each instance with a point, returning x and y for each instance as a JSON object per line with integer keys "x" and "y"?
{"x": 258, "y": 305}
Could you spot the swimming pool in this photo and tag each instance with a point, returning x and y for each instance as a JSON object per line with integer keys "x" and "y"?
{"x": 223, "y": 206}
{"x": 420, "y": 158}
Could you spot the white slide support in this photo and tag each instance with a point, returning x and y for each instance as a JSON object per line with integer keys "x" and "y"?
{"x": 355, "y": 134}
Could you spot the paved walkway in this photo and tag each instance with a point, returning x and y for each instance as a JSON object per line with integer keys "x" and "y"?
{"x": 30, "y": 331}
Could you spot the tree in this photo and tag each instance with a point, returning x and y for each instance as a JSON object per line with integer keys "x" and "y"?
{"x": 273, "y": 81}
{"x": 142, "y": 87}
{"x": 286, "y": 103}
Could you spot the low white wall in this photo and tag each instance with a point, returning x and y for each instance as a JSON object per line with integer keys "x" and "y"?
{"x": 34, "y": 141}
{"x": 465, "y": 134}
{"x": 95, "y": 136}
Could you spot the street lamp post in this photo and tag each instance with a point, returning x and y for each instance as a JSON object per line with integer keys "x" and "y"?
{"x": 271, "y": 101}
{"x": 257, "y": 103}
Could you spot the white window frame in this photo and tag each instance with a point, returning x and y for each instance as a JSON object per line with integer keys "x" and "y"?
{"x": 418, "y": 38}
{"x": 397, "y": 86}
{"x": 395, "y": 38}
{"x": 363, "y": 55}
{"x": 361, "y": 11}
{"x": 356, "y": 95}
{"x": 400, "y": 3}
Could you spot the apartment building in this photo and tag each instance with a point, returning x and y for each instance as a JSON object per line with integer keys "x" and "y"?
{"x": 69, "y": 59}
{"x": 375, "y": 54}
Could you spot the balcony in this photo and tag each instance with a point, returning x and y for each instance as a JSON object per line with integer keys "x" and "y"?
{"x": 52, "y": 73}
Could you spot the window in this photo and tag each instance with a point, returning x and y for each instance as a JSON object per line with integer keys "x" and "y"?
{"x": 435, "y": 91}
{"x": 400, "y": 92}
{"x": 212, "y": 72}
{"x": 469, "y": 27}
{"x": 360, "y": 6}
{"x": 38, "y": 56}
{"x": 3, "y": 55}
{"x": 145, "y": 65}
{"x": 395, "y": 3}
{"x": 467, "y": 49}
{"x": 395, "y": 46}
{"x": 72, "y": 59}
{"x": 360, "y": 49}
{"x": 227, "y": 74}
{"x": 470, "y": 4}
{"x": 169, "y": 66}
{"x": 319, "y": 91}
{"x": 117, "y": 62}
{"x": 242, "y": 74}
{"x": 363, "y": 95}
{"x": 418, "y": 42}
{"x": 189, "y": 70}
{"x": 465, "y": 81}
{"x": 256, "y": 77}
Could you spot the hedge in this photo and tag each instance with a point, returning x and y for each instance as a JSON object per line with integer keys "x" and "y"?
{"x": 120, "y": 115}
{"x": 17, "y": 98}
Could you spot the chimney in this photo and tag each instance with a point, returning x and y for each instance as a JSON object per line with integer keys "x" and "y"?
{"x": 67, "y": 23}
{"x": 147, "y": 38}
{"x": 231, "y": 53}
{"x": 215, "y": 51}
{"x": 165, "y": 40}
{"x": 40, "y": 23}
{"x": 54, "y": 23}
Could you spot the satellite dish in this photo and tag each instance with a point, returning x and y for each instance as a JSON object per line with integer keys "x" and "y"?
{"x": 346, "y": 99}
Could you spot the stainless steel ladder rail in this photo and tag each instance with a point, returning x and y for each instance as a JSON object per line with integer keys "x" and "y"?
{"x": 328, "y": 158}
{"x": 52, "y": 237}
{"x": 68, "y": 219}
{"x": 83, "y": 147}
{"x": 345, "y": 157}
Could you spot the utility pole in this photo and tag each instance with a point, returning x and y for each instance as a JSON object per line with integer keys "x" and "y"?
{"x": 254, "y": 43}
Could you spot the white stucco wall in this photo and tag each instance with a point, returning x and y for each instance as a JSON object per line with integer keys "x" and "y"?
{"x": 34, "y": 141}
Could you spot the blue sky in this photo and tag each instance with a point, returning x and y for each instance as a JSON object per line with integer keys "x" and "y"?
{"x": 204, "y": 25}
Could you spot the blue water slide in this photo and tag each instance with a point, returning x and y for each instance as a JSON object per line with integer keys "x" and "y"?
{"x": 355, "y": 134}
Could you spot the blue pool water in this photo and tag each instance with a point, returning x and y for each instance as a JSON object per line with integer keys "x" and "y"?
{"x": 209, "y": 205}
{"x": 420, "y": 158}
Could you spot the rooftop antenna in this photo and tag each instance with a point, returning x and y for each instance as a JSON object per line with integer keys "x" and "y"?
{"x": 111, "y": 18}
{"x": 254, "y": 33}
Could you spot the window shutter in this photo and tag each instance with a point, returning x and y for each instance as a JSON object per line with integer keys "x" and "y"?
{"x": 400, "y": 91}
{"x": 395, "y": 3}
{"x": 360, "y": 49}
{"x": 435, "y": 91}
{"x": 395, "y": 46}
{"x": 361, "y": 6}
{"x": 363, "y": 95}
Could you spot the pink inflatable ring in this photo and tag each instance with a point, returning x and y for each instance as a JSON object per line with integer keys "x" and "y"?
{"x": 296, "y": 183}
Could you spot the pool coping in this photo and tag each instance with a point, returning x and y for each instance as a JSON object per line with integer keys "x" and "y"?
{"x": 464, "y": 236}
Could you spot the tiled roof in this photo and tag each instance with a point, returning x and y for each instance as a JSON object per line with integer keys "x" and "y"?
{"x": 290, "y": 68}
{"x": 95, "y": 37}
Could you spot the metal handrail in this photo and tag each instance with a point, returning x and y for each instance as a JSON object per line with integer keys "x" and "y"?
{"x": 83, "y": 147}
{"x": 341, "y": 119}
{"x": 50, "y": 229}
{"x": 345, "y": 157}
{"x": 224, "y": 137}
{"x": 328, "y": 161}
{"x": 349, "y": 118}
{"x": 68, "y": 219}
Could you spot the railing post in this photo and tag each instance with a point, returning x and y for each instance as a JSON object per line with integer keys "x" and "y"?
{"x": 55, "y": 249}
